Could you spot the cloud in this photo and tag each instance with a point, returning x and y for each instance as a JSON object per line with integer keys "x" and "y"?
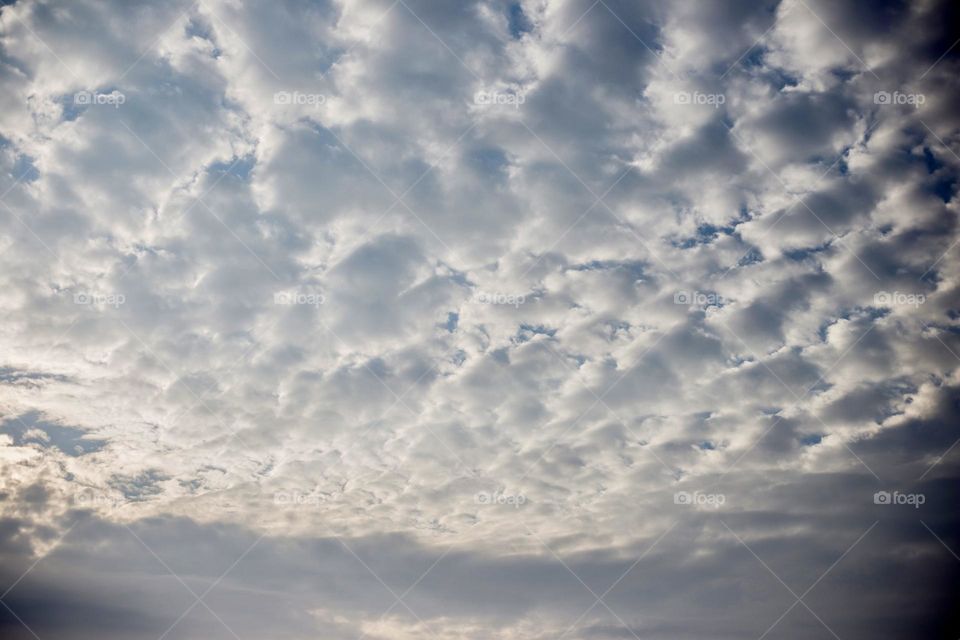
{"x": 523, "y": 289}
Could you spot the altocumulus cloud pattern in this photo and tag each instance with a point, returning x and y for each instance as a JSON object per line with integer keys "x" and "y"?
{"x": 479, "y": 319}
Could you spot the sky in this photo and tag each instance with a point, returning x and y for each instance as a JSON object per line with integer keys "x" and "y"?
{"x": 479, "y": 319}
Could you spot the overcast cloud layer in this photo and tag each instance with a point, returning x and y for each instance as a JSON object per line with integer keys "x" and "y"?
{"x": 479, "y": 319}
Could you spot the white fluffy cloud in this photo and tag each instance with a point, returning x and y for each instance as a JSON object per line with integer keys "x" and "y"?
{"x": 500, "y": 286}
